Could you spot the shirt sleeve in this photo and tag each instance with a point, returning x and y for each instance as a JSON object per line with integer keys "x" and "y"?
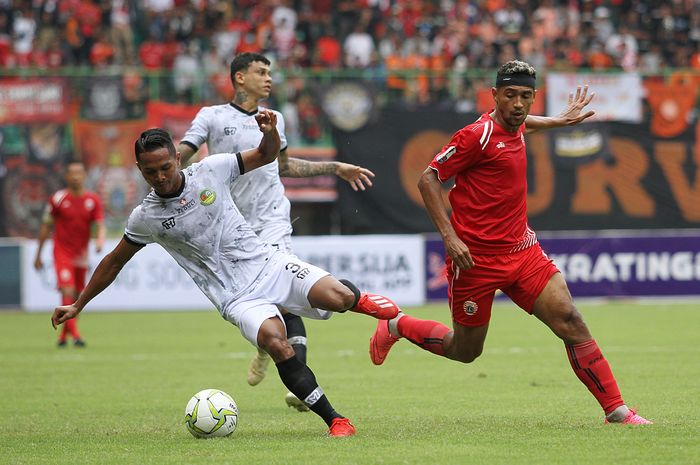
{"x": 198, "y": 133}
{"x": 137, "y": 231}
{"x": 281, "y": 126}
{"x": 225, "y": 166}
{"x": 459, "y": 154}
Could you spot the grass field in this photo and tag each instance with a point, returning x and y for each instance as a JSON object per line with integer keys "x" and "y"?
{"x": 121, "y": 399}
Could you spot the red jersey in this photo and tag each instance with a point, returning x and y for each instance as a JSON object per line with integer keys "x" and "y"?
{"x": 489, "y": 198}
{"x": 73, "y": 216}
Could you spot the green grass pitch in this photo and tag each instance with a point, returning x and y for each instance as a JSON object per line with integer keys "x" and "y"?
{"x": 121, "y": 400}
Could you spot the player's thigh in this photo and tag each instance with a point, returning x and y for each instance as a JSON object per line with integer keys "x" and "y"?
{"x": 471, "y": 292}
{"x": 555, "y": 308}
{"x": 249, "y": 315}
{"x": 531, "y": 271}
{"x": 65, "y": 277}
{"x": 295, "y": 286}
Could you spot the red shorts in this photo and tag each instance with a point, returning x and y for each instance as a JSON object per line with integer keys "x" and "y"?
{"x": 521, "y": 276}
{"x": 69, "y": 275}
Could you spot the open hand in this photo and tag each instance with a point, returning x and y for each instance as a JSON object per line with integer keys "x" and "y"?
{"x": 356, "y": 176}
{"x": 572, "y": 113}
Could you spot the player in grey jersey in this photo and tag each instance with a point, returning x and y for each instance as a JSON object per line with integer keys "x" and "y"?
{"x": 191, "y": 214}
{"x": 231, "y": 128}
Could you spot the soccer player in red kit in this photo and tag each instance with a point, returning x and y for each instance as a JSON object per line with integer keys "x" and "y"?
{"x": 490, "y": 246}
{"x": 71, "y": 212}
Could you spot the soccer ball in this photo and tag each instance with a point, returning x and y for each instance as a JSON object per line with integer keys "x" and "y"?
{"x": 211, "y": 413}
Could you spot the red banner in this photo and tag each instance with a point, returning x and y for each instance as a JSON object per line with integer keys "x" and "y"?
{"x": 33, "y": 100}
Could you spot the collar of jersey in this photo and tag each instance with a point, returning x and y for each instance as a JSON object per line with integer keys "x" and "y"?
{"x": 249, "y": 113}
{"x": 177, "y": 193}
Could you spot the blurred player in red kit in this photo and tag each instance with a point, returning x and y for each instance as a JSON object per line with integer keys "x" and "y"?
{"x": 71, "y": 212}
{"x": 490, "y": 246}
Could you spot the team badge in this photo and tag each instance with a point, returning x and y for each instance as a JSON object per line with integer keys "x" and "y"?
{"x": 169, "y": 223}
{"x": 207, "y": 197}
{"x": 470, "y": 307}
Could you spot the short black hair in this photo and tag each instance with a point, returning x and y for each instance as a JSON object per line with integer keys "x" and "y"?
{"x": 153, "y": 139}
{"x": 243, "y": 60}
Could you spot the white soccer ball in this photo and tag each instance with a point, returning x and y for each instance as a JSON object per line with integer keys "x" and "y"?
{"x": 211, "y": 413}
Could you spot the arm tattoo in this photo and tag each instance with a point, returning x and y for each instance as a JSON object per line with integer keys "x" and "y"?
{"x": 298, "y": 168}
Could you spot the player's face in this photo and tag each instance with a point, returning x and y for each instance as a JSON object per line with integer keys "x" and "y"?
{"x": 513, "y": 104}
{"x": 161, "y": 170}
{"x": 257, "y": 80}
{"x": 75, "y": 176}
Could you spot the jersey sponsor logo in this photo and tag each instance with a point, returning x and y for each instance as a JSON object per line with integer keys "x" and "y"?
{"x": 230, "y": 131}
{"x": 169, "y": 223}
{"x": 207, "y": 197}
{"x": 501, "y": 145}
{"x": 445, "y": 155}
{"x": 470, "y": 308}
{"x": 185, "y": 207}
{"x": 297, "y": 270}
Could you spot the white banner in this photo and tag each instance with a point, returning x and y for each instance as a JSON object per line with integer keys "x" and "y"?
{"x": 384, "y": 264}
{"x": 152, "y": 280}
{"x": 618, "y": 97}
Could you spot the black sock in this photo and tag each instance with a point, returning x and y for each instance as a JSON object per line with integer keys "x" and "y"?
{"x": 296, "y": 335}
{"x": 300, "y": 380}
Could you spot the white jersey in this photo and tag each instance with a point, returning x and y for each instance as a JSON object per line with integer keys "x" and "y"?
{"x": 203, "y": 230}
{"x": 259, "y": 194}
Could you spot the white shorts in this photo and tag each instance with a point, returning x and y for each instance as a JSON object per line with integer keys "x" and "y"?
{"x": 287, "y": 284}
{"x": 277, "y": 235}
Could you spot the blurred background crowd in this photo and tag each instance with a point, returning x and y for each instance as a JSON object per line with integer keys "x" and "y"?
{"x": 194, "y": 37}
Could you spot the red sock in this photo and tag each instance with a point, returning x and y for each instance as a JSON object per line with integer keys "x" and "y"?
{"x": 426, "y": 334}
{"x": 594, "y": 371}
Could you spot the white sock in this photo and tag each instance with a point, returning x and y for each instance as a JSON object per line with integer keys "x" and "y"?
{"x": 393, "y": 325}
{"x": 618, "y": 414}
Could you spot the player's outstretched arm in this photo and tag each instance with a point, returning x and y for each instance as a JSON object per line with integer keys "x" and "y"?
{"x": 105, "y": 273}
{"x": 186, "y": 152}
{"x": 572, "y": 114}
{"x": 431, "y": 190}
{"x": 269, "y": 146}
{"x": 357, "y": 176}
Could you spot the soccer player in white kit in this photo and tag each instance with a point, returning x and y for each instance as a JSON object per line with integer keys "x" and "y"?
{"x": 231, "y": 128}
{"x": 192, "y": 215}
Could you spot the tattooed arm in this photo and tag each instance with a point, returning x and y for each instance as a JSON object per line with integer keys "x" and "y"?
{"x": 357, "y": 176}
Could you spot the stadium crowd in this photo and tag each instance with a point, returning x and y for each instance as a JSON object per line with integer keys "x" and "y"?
{"x": 332, "y": 34}
{"x": 192, "y": 41}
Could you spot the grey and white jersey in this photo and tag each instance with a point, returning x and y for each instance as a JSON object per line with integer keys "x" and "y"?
{"x": 204, "y": 231}
{"x": 259, "y": 194}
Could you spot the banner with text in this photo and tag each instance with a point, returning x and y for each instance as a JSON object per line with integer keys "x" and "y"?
{"x": 592, "y": 176}
{"x": 605, "y": 263}
{"x": 152, "y": 280}
{"x": 618, "y": 97}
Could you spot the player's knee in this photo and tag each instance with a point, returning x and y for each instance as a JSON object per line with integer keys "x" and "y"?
{"x": 350, "y": 295}
{"x": 277, "y": 346}
{"x": 570, "y": 327}
{"x": 468, "y": 356}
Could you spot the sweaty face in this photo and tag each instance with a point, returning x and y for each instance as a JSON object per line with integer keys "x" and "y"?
{"x": 161, "y": 170}
{"x": 513, "y": 104}
{"x": 257, "y": 80}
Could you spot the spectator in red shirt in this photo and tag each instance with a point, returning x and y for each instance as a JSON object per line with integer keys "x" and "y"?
{"x": 490, "y": 245}
{"x": 71, "y": 213}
